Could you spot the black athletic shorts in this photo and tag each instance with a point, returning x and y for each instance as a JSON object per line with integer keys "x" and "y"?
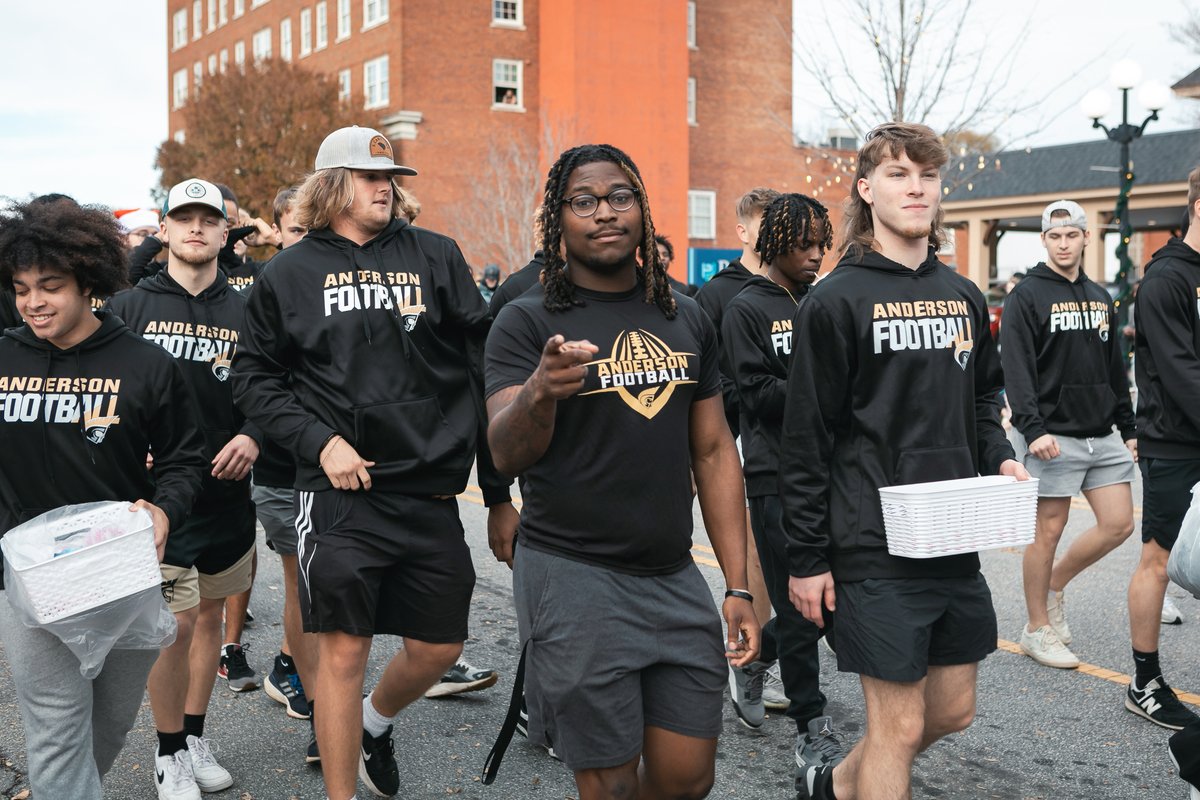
{"x": 895, "y": 629}
{"x": 378, "y": 562}
{"x": 1166, "y": 495}
{"x": 212, "y": 540}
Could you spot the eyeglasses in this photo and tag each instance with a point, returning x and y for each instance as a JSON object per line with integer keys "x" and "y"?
{"x": 585, "y": 205}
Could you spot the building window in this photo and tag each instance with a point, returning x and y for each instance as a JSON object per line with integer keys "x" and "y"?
{"x": 305, "y": 32}
{"x": 375, "y": 12}
{"x": 691, "y": 101}
{"x": 285, "y": 40}
{"x": 702, "y": 214}
{"x": 691, "y": 25}
{"x": 322, "y": 25}
{"x": 344, "y": 85}
{"x": 506, "y": 85}
{"x": 197, "y": 76}
{"x": 179, "y": 89}
{"x": 239, "y": 8}
{"x": 223, "y": 12}
{"x": 179, "y": 137}
{"x": 509, "y": 13}
{"x": 260, "y": 44}
{"x": 375, "y": 83}
{"x": 239, "y": 54}
{"x": 212, "y": 64}
{"x": 224, "y": 62}
{"x": 179, "y": 25}
{"x": 343, "y": 19}
{"x": 197, "y": 20}
{"x": 212, "y": 15}
{"x": 256, "y": 3}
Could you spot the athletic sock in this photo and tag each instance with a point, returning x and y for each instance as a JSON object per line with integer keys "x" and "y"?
{"x": 1146, "y": 667}
{"x": 374, "y": 723}
{"x": 285, "y": 663}
{"x": 193, "y": 725}
{"x": 171, "y": 743}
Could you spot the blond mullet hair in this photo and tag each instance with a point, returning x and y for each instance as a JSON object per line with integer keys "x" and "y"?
{"x": 328, "y": 193}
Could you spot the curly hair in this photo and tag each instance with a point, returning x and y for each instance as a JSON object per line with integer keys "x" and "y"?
{"x": 559, "y": 292}
{"x": 84, "y": 241}
{"x": 793, "y": 222}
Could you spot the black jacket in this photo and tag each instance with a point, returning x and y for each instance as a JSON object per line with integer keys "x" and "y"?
{"x": 894, "y": 380}
{"x": 714, "y": 297}
{"x": 756, "y": 337}
{"x": 1167, "y": 347}
{"x": 241, "y": 272}
{"x": 1063, "y": 370}
{"x": 9, "y": 318}
{"x": 381, "y": 343}
{"x": 517, "y": 284}
{"x": 202, "y": 334}
{"x": 134, "y": 400}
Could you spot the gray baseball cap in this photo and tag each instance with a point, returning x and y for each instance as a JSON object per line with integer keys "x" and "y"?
{"x": 1076, "y": 218}
{"x": 194, "y": 192}
{"x": 359, "y": 148}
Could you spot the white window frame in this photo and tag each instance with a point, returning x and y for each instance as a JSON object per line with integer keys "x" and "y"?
{"x": 702, "y": 214}
{"x": 212, "y": 64}
{"x": 179, "y": 23}
{"x": 197, "y": 76}
{"x": 691, "y": 101}
{"x": 691, "y": 24}
{"x": 179, "y": 137}
{"x": 376, "y": 95}
{"x": 197, "y": 19}
{"x": 344, "y": 87}
{"x": 285, "y": 39}
{"x": 260, "y": 38}
{"x": 239, "y": 54}
{"x": 212, "y": 15}
{"x": 343, "y": 20}
{"x": 322, "y": 37}
{"x": 375, "y": 12}
{"x": 305, "y": 31}
{"x": 223, "y": 61}
{"x": 239, "y": 8}
{"x": 499, "y": 20}
{"x": 179, "y": 89}
{"x": 222, "y": 12}
{"x": 257, "y": 3}
{"x": 500, "y": 82}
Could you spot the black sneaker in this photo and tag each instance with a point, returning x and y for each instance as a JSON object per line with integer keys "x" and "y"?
{"x": 235, "y": 669}
{"x": 814, "y": 783}
{"x": 1157, "y": 702}
{"x": 377, "y": 764}
{"x": 285, "y": 687}
{"x": 312, "y": 755}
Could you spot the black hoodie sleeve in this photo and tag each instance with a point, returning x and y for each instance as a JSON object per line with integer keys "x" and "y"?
{"x": 141, "y": 259}
{"x": 1018, "y": 352}
{"x": 260, "y": 378}
{"x": 818, "y": 391}
{"x": 177, "y": 445}
{"x": 761, "y": 390}
{"x": 1119, "y": 381}
{"x": 1166, "y": 325}
{"x": 991, "y": 442}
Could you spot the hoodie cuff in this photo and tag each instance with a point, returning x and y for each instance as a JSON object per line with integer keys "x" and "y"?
{"x": 313, "y": 439}
{"x": 496, "y": 495}
{"x": 253, "y": 431}
{"x": 1128, "y": 433}
{"x": 805, "y": 561}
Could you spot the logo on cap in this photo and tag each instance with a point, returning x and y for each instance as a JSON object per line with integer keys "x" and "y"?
{"x": 380, "y": 146}
{"x": 194, "y": 190}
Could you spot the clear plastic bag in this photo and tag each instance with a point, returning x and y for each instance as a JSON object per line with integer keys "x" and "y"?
{"x": 89, "y": 575}
{"x": 1183, "y": 566}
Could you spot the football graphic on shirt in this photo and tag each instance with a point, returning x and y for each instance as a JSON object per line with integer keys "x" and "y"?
{"x": 643, "y": 370}
{"x": 220, "y": 368}
{"x": 963, "y": 345}
{"x": 1103, "y": 329}
{"x": 96, "y": 428}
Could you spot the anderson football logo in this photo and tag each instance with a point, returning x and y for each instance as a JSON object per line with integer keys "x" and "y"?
{"x": 924, "y": 325}
{"x": 220, "y": 368}
{"x": 64, "y": 401}
{"x": 345, "y": 291}
{"x": 643, "y": 370}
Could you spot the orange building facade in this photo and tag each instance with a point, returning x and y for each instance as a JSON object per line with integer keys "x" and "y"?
{"x": 481, "y": 95}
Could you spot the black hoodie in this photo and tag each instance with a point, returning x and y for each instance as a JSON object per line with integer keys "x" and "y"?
{"x": 517, "y": 284}
{"x": 241, "y": 272}
{"x": 201, "y": 332}
{"x": 714, "y": 297}
{"x": 894, "y": 380}
{"x": 135, "y": 400}
{"x": 756, "y": 337}
{"x": 9, "y": 318}
{"x": 383, "y": 343}
{"x": 1063, "y": 370}
{"x": 1167, "y": 346}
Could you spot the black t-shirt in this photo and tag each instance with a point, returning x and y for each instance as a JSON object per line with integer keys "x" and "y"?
{"x": 613, "y": 488}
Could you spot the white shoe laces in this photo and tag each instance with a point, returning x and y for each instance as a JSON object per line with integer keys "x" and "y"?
{"x": 202, "y": 752}
{"x": 180, "y": 771}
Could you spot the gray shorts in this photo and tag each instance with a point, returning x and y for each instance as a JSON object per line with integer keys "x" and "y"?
{"x": 609, "y": 654}
{"x": 1081, "y": 465}
{"x": 278, "y": 518}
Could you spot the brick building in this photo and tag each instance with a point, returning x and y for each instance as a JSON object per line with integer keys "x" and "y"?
{"x": 481, "y": 95}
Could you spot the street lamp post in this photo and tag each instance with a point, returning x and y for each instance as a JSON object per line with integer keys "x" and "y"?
{"x": 1125, "y": 75}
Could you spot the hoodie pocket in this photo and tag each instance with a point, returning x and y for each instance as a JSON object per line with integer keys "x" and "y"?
{"x": 927, "y": 464}
{"x": 1085, "y": 407}
{"x": 408, "y": 434}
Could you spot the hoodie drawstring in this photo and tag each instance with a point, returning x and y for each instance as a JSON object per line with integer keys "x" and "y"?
{"x": 79, "y": 397}
{"x": 362, "y": 301}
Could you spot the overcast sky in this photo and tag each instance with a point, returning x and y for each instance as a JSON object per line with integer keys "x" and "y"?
{"x": 83, "y": 84}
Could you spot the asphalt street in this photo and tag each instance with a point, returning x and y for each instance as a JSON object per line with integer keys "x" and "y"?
{"x": 1040, "y": 733}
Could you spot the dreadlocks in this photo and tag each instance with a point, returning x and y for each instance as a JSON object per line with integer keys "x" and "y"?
{"x": 793, "y": 222}
{"x": 559, "y": 292}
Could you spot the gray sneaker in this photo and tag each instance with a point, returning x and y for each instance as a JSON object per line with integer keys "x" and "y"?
{"x": 820, "y": 746}
{"x": 774, "y": 697}
{"x": 746, "y": 692}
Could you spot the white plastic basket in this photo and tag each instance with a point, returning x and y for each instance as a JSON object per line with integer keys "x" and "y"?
{"x": 83, "y": 579}
{"x": 945, "y": 518}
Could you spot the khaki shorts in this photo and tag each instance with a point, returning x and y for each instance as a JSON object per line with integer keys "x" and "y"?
{"x": 183, "y": 588}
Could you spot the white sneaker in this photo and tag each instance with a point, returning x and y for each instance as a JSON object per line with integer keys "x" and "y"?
{"x": 773, "y": 696}
{"x": 210, "y": 776}
{"x": 173, "y": 777}
{"x": 1056, "y": 609}
{"x": 1170, "y": 612}
{"x": 1044, "y": 647}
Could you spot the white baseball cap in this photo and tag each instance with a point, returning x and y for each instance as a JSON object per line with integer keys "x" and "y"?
{"x": 137, "y": 218}
{"x": 359, "y": 148}
{"x": 194, "y": 192}
{"x": 1076, "y": 217}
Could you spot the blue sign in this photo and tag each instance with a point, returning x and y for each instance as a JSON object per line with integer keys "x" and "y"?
{"x": 704, "y": 262}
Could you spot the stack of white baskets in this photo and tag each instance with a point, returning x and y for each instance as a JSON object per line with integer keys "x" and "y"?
{"x": 945, "y": 518}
